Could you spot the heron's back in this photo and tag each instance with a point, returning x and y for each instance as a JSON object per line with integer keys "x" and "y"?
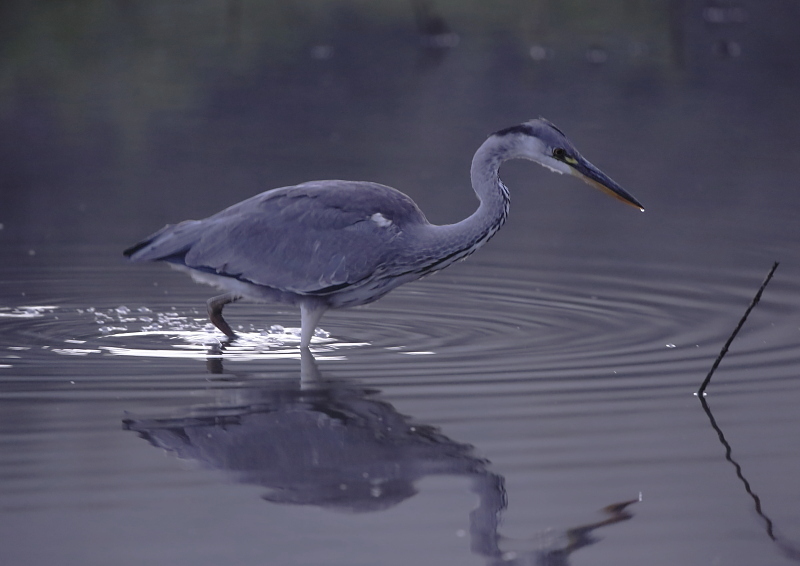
{"x": 324, "y": 238}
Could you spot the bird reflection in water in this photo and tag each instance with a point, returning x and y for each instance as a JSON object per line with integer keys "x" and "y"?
{"x": 336, "y": 445}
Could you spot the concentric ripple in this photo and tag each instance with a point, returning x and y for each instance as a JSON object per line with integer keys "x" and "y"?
{"x": 476, "y": 319}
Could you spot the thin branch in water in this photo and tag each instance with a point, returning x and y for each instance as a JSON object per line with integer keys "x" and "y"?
{"x": 753, "y": 303}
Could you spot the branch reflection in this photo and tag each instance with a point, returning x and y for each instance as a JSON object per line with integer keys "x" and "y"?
{"x": 787, "y": 549}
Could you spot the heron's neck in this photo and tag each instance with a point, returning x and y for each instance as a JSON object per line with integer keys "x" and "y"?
{"x": 493, "y": 195}
{"x": 457, "y": 241}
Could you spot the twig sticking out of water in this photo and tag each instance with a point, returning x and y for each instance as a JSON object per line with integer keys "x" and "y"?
{"x": 753, "y": 303}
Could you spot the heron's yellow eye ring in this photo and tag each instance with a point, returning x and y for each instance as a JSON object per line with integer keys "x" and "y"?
{"x": 559, "y": 153}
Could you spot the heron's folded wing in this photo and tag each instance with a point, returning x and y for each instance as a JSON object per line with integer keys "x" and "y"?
{"x": 309, "y": 253}
{"x": 312, "y": 238}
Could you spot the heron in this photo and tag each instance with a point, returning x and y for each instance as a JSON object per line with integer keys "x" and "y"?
{"x": 334, "y": 244}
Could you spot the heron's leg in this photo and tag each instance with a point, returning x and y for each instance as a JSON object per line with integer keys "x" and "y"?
{"x": 310, "y": 377}
{"x": 310, "y": 313}
{"x": 215, "y": 306}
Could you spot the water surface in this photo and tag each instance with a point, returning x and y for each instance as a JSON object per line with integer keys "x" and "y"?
{"x": 558, "y": 399}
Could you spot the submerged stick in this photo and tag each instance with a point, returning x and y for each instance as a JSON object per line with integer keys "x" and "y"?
{"x": 753, "y": 303}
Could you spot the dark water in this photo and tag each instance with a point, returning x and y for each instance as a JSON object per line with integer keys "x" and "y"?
{"x": 532, "y": 405}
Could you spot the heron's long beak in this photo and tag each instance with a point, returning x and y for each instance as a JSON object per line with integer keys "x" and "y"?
{"x": 593, "y": 176}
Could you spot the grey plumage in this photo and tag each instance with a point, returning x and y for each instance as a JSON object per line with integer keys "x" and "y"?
{"x": 333, "y": 244}
{"x": 297, "y": 238}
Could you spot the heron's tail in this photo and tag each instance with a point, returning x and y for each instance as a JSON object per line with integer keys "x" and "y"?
{"x": 168, "y": 244}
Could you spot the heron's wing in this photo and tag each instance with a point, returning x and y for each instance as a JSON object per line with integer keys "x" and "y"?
{"x": 311, "y": 238}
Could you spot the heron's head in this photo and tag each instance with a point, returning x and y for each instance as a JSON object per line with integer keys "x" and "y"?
{"x": 540, "y": 141}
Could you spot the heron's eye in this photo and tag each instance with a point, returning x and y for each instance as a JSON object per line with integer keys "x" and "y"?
{"x": 559, "y": 153}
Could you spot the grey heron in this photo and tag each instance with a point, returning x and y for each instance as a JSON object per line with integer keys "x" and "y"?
{"x": 333, "y": 244}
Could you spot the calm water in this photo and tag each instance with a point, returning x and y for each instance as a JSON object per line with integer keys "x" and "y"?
{"x": 542, "y": 396}
{"x": 532, "y": 405}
